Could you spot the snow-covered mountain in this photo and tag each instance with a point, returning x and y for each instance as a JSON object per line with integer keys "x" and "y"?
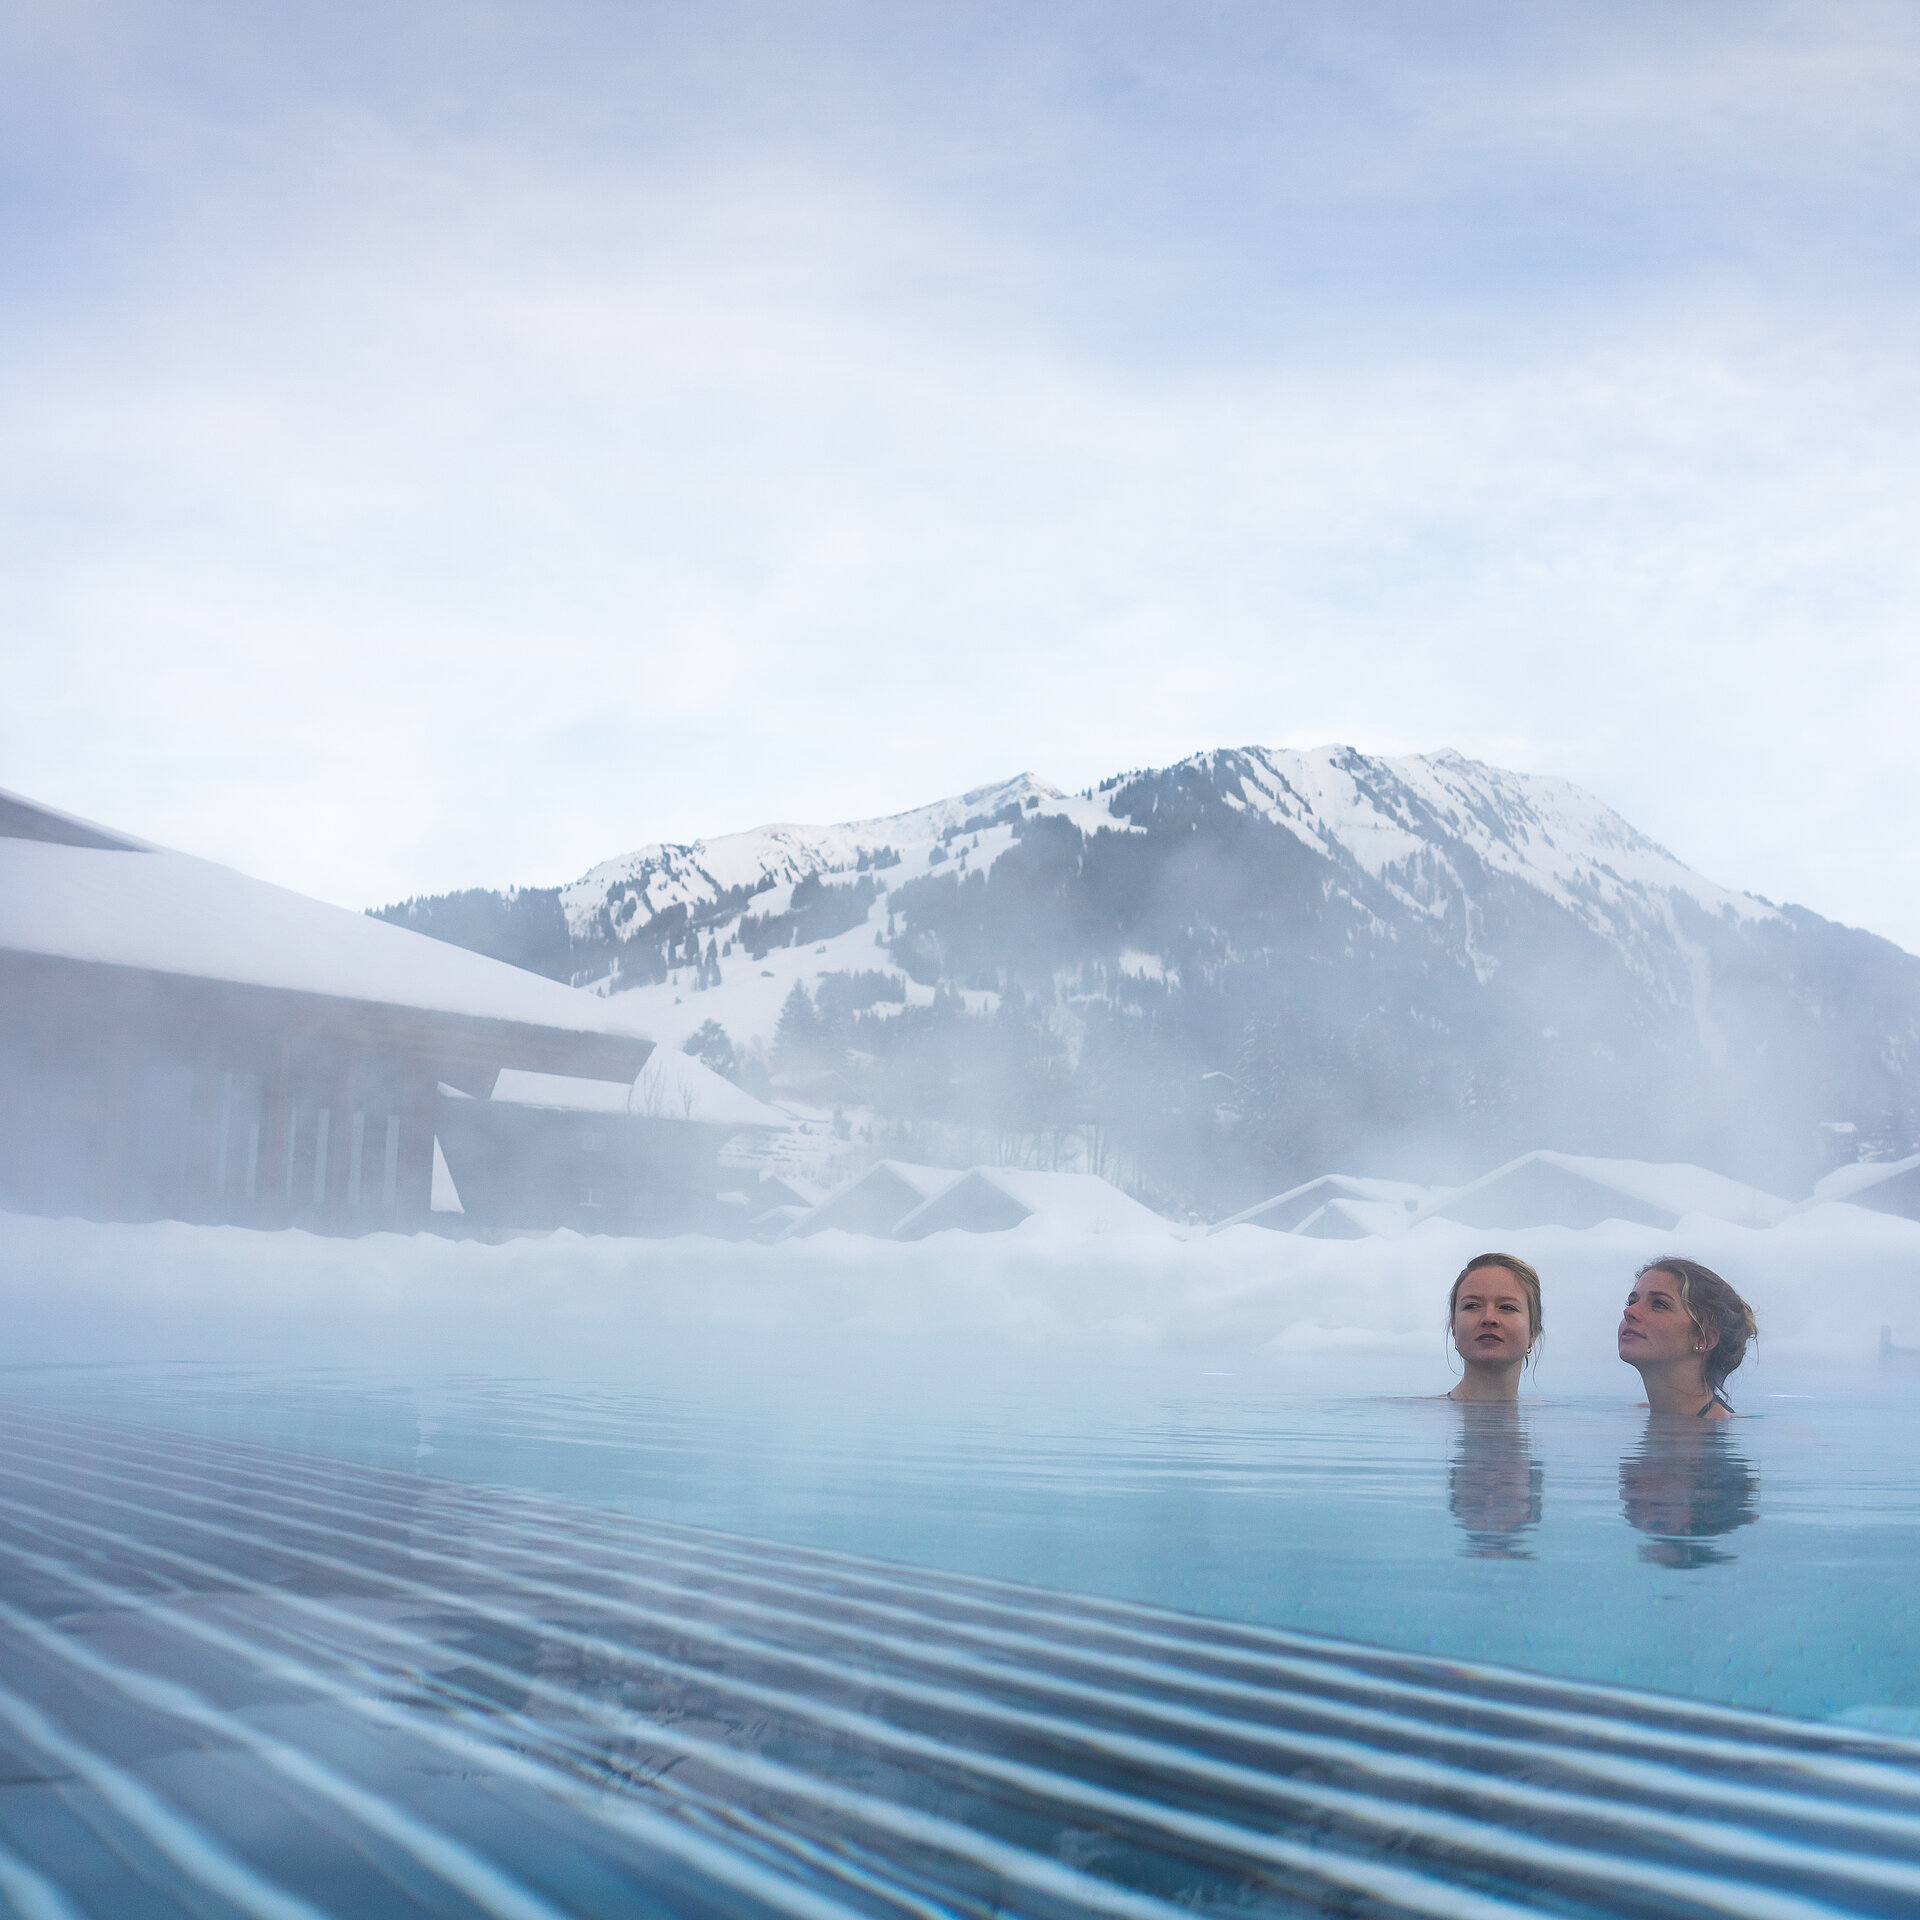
{"x": 621, "y": 899}
{"x": 1423, "y": 827}
{"x": 1257, "y": 955}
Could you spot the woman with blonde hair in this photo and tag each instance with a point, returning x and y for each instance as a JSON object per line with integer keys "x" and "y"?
{"x": 1493, "y": 1315}
{"x": 1686, "y": 1330}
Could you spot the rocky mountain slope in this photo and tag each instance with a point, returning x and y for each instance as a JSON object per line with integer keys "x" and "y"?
{"x": 1252, "y": 964}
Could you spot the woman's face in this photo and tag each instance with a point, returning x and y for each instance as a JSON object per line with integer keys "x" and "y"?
{"x": 1492, "y": 1323}
{"x": 1655, "y": 1328}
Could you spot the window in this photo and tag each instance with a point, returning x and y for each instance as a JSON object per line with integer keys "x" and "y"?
{"x": 236, "y": 1138}
{"x": 376, "y": 1144}
{"x": 306, "y": 1154}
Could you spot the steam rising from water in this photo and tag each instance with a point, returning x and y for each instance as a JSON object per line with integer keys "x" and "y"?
{"x": 1246, "y": 1303}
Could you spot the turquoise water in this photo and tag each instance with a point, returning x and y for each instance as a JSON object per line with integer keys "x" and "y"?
{"x": 1769, "y": 1563}
{"x": 297, "y": 1644}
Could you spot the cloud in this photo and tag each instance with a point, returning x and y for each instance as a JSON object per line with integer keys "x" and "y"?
{"x": 451, "y": 460}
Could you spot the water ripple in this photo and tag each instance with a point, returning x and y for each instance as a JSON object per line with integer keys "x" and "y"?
{"x": 241, "y": 1679}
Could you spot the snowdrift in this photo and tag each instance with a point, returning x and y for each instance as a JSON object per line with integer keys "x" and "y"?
{"x": 1824, "y": 1283}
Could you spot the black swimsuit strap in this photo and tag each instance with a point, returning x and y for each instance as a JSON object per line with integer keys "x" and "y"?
{"x": 1719, "y": 1400}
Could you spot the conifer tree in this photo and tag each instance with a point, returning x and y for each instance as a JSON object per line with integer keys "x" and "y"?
{"x": 711, "y": 1045}
{"x": 796, "y": 1039}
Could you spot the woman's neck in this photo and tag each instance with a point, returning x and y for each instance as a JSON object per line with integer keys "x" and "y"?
{"x": 1678, "y": 1387}
{"x": 1483, "y": 1382}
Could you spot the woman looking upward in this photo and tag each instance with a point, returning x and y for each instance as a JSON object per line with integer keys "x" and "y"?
{"x": 1493, "y": 1314}
{"x": 1686, "y": 1330}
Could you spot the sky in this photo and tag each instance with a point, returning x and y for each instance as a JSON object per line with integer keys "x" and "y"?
{"x": 449, "y": 445}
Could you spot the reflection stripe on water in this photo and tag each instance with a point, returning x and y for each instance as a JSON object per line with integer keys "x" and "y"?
{"x": 1687, "y": 1839}
{"x": 1206, "y": 1839}
{"x": 1610, "y": 1717}
{"x": 1394, "y": 1889}
{"x": 791, "y": 1726}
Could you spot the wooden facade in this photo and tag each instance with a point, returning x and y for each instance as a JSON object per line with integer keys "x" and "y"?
{"x": 535, "y": 1167}
{"x": 129, "y": 1094}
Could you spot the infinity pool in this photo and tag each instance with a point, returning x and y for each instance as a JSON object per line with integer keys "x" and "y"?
{"x": 286, "y": 1643}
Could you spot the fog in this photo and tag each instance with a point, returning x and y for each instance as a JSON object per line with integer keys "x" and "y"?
{"x": 1216, "y": 980}
{"x": 849, "y": 1314}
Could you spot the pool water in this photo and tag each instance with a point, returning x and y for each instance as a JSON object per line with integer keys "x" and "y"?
{"x": 1768, "y": 1562}
{"x": 295, "y": 1643}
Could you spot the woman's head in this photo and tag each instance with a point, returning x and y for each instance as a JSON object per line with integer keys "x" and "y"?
{"x": 1718, "y": 1323}
{"x": 1493, "y": 1312}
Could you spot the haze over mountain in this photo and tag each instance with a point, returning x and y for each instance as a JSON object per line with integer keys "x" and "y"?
{"x": 1252, "y": 965}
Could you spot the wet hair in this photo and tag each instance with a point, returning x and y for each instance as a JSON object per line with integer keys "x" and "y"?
{"x": 1510, "y": 1263}
{"x": 1720, "y": 1317}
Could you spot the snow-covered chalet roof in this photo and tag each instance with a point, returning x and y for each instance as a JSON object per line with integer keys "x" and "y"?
{"x": 1081, "y": 1201}
{"x": 875, "y": 1200}
{"x": 169, "y": 913}
{"x": 671, "y": 1086}
{"x": 1548, "y": 1189}
{"x": 1848, "y": 1182}
{"x": 1287, "y": 1212}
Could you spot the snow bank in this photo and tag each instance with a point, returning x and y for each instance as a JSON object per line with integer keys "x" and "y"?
{"x": 1822, "y": 1283}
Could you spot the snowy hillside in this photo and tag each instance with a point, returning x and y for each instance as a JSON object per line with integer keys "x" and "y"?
{"x": 706, "y": 890}
{"x": 627, "y": 897}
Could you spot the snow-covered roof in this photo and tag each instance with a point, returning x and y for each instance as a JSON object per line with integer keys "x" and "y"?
{"x": 1579, "y": 1190}
{"x": 24, "y": 819}
{"x": 1886, "y": 1186}
{"x": 1347, "y": 1219}
{"x": 776, "y": 1222}
{"x": 788, "y": 1189}
{"x": 169, "y": 913}
{"x": 671, "y": 1086}
{"x": 1288, "y": 1212}
{"x": 876, "y": 1199}
{"x": 561, "y": 1092}
{"x": 1845, "y": 1182}
{"x": 990, "y": 1197}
